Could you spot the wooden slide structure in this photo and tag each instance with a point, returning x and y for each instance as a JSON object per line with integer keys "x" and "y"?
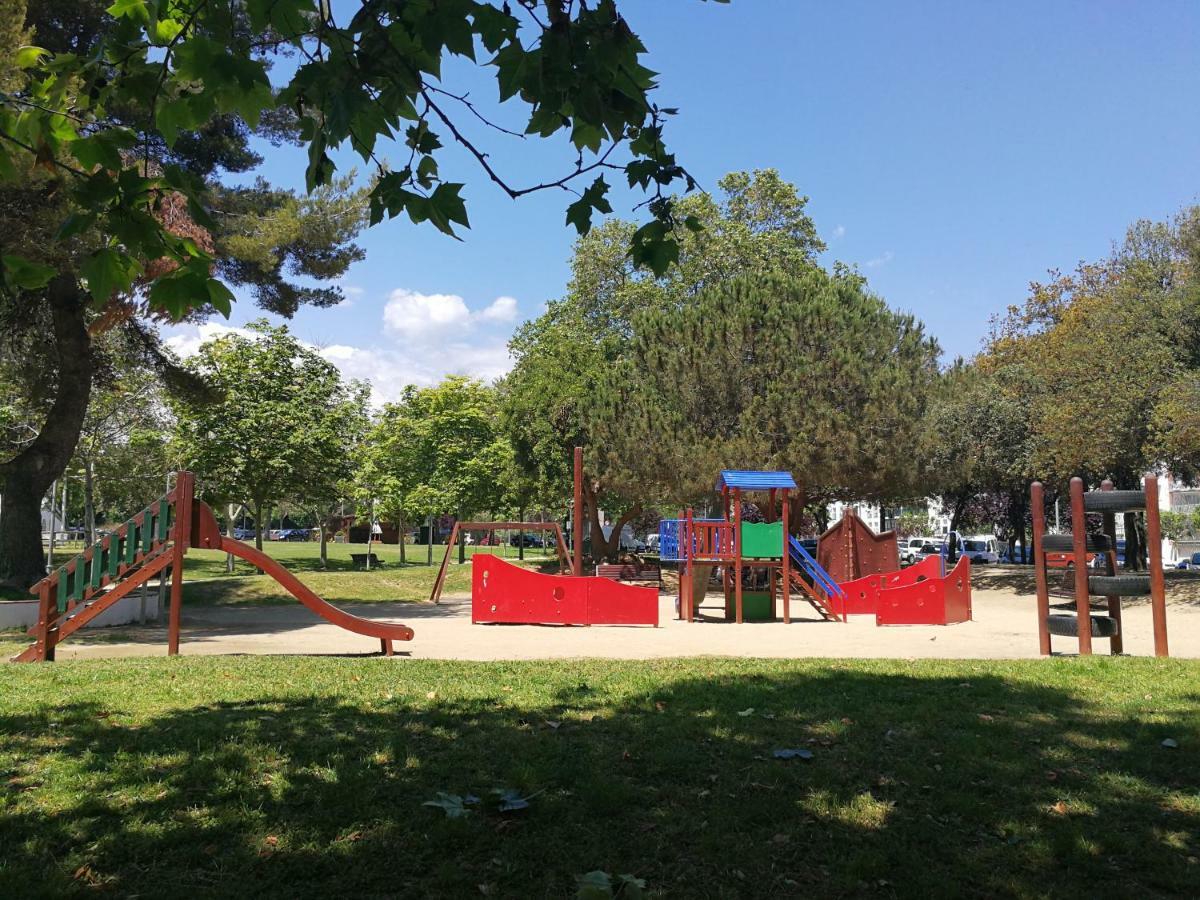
{"x": 157, "y": 538}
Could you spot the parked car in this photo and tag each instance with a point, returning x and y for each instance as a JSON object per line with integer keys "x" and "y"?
{"x": 929, "y": 548}
{"x": 652, "y": 543}
{"x": 910, "y": 547}
{"x": 981, "y": 548}
{"x": 1192, "y": 562}
{"x": 527, "y": 539}
{"x": 243, "y": 534}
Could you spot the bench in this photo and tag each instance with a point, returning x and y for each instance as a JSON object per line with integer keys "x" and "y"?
{"x": 360, "y": 560}
{"x": 628, "y": 572}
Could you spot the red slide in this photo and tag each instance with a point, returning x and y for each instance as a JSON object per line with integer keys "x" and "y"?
{"x": 502, "y": 593}
{"x": 385, "y": 631}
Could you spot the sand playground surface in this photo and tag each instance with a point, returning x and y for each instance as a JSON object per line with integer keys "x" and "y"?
{"x": 1003, "y": 627}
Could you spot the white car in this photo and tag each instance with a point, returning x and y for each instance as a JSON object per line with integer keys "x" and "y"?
{"x": 910, "y": 547}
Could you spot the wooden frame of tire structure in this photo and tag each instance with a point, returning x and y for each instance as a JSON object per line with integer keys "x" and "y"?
{"x": 1106, "y": 502}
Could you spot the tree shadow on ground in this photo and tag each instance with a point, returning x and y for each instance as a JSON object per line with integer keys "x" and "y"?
{"x": 924, "y": 787}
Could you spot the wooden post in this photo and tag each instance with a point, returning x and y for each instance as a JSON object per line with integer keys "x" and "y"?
{"x": 1037, "y": 504}
{"x": 1082, "y": 602}
{"x": 1158, "y": 597}
{"x": 577, "y": 517}
{"x": 185, "y": 486}
{"x": 737, "y": 554}
{"x": 686, "y": 610}
{"x": 787, "y": 562}
{"x": 1116, "y": 642}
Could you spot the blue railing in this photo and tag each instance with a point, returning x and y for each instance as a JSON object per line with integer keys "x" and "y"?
{"x": 814, "y": 571}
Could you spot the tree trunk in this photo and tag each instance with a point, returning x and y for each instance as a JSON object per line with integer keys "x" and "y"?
{"x": 606, "y": 548}
{"x": 1133, "y": 552}
{"x": 400, "y": 525}
{"x": 25, "y": 478}
{"x": 324, "y": 544}
{"x": 231, "y": 514}
{"x": 89, "y": 502}
{"x": 521, "y": 536}
{"x": 960, "y": 506}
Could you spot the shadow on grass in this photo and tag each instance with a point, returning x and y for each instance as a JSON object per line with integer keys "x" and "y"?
{"x": 918, "y": 787}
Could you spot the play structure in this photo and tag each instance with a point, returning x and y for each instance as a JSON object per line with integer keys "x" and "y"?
{"x": 155, "y": 540}
{"x": 503, "y": 593}
{"x": 460, "y": 528}
{"x": 854, "y": 572}
{"x": 701, "y": 545}
{"x": 1087, "y": 582}
{"x": 922, "y": 594}
{"x": 849, "y": 549}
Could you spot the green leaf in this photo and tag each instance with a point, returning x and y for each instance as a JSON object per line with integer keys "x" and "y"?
{"x": 134, "y": 9}
{"x": 579, "y": 213}
{"x": 181, "y": 291}
{"x": 97, "y": 150}
{"x": 166, "y": 30}
{"x": 595, "y": 885}
{"x": 25, "y": 274}
{"x": 220, "y": 297}
{"x": 109, "y": 271}
{"x": 29, "y": 57}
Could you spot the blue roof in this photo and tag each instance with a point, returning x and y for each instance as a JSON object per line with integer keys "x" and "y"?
{"x": 754, "y": 481}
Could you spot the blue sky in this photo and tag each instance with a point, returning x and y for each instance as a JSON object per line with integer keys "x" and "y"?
{"x": 953, "y": 151}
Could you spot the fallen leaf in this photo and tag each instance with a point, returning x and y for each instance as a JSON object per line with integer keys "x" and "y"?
{"x": 744, "y": 713}
{"x": 793, "y": 753}
{"x": 1170, "y": 743}
{"x": 431, "y": 695}
{"x": 1059, "y": 808}
{"x": 660, "y": 706}
{"x": 553, "y": 724}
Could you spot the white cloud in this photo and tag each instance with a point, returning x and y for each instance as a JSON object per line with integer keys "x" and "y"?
{"x": 410, "y": 314}
{"x": 887, "y": 257}
{"x": 839, "y": 232}
{"x": 185, "y": 340}
{"x": 502, "y": 309}
{"x": 425, "y": 337}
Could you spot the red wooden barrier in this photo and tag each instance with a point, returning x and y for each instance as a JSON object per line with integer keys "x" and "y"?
{"x": 504, "y": 593}
{"x": 934, "y": 601}
{"x": 862, "y": 594}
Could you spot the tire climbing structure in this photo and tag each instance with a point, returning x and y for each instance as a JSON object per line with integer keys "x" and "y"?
{"x": 1082, "y": 624}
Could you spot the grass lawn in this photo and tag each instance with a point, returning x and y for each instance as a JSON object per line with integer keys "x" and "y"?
{"x": 284, "y": 777}
{"x": 208, "y": 583}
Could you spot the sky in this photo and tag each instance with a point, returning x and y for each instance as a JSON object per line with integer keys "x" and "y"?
{"x": 952, "y": 151}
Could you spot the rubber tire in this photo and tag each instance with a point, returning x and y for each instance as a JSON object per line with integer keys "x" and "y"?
{"x": 1114, "y": 501}
{"x": 1065, "y": 543}
{"x": 1119, "y": 585}
{"x": 1068, "y": 626}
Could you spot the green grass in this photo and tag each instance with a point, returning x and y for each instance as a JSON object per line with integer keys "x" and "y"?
{"x": 283, "y": 777}
{"x": 209, "y": 585}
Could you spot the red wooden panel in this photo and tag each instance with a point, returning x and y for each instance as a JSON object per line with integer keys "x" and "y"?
{"x": 502, "y": 592}
{"x": 613, "y": 603}
{"x": 935, "y": 601}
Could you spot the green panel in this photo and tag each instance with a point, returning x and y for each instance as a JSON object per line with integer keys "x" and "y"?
{"x": 64, "y": 588}
{"x": 164, "y": 519}
{"x": 761, "y": 540}
{"x": 80, "y": 578}
{"x": 114, "y": 554}
{"x": 131, "y": 542}
{"x": 97, "y": 567}
{"x": 147, "y": 530}
{"x": 756, "y": 606}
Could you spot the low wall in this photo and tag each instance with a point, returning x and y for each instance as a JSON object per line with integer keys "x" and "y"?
{"x": 24, "y": 613}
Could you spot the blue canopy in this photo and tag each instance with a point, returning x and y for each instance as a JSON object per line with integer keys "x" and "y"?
{"x": 754, "y": 481}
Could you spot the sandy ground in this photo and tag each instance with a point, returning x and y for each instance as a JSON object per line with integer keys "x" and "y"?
{"x": 1003, "y": 628}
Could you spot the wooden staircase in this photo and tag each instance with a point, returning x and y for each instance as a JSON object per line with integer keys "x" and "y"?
{"x": 97, "y": 578}
{"x": 816, "y": 598}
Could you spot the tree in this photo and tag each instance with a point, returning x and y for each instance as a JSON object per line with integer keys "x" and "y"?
{"x": 285, "y": 426}
{"x": 115, "y": 124}
{"x": 758, "y": 225}
{"x": 439, "y": 450}
{"x": 810, "y": 373}
{"x": 49, "y": 323}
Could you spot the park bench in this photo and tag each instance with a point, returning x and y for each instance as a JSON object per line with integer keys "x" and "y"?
{"x": 628, "y": 572}
{"x": 360, "y": 560}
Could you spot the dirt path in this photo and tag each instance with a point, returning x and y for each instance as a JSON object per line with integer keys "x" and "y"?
{"x": 1003, "y": 627}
